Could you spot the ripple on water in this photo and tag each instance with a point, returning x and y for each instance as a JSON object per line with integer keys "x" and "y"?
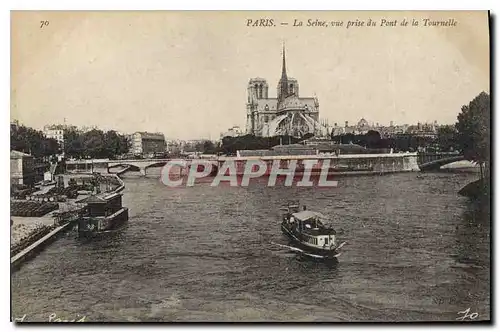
{"x": 416, "y": 251}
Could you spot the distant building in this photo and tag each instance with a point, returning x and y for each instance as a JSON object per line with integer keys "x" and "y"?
{"x": 423, "y": 129}
{"x": 86, "y": 129}
{"x": 144, "y": 143}
{"x": 232, "y": 132}
{"x": 14, "y": 124}
{"x": 22, "y": 168}
{"x": 55, "y": 132}
{"x": 363, "y": 126}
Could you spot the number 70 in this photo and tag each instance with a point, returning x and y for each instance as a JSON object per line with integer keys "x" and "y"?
{"x": 43, "y": 23}
{"x": 467, "y": 315}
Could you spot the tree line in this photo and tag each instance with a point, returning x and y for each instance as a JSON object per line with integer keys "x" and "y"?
{"x": 77, "y": 144}
{"x": 95, "y": 144}
{"x": 230, "y": 145}
{"x": 32, "y": 141}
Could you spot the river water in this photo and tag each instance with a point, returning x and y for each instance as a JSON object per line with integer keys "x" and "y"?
{"x": 417, "y": 251}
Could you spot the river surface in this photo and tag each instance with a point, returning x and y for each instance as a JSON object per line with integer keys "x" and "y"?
{"x": 417, "y": 251}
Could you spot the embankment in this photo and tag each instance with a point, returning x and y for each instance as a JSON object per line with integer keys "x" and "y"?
{"x": 479, "y": 189}
{"x": 362, "y": 164}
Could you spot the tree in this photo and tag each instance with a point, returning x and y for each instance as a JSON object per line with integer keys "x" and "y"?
{"x": 446, "y": 137}
{"x": 31, "y": 141}
{"x": 115, "y": 144}
{"x": 50, "y": 147}
{"x": 208, "y": 147}
{"x": 95, "y": 144}
{"x": 73, "y": 145}
{"x": 372, "y": 139}
{"x": 473, "y": 130}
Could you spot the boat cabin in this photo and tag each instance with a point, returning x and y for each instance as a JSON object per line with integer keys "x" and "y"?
{"x": 310, "y": 225}
{"x": 103, "y": 206}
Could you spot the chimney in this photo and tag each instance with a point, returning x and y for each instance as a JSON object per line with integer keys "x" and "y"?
{"x": 347, "y": 124}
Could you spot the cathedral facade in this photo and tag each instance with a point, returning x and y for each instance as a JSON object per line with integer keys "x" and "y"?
{"x": 287, "y": 114}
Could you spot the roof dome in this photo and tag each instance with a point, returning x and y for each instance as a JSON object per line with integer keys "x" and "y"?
{"x": 363, "y": 123}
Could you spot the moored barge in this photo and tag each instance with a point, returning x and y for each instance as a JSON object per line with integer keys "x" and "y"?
{"x": 104, "y": 213}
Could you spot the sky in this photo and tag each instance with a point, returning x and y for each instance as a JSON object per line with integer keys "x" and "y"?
{"x": 186, "y": 73}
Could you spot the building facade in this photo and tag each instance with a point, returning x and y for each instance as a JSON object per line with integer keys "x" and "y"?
{"x": 55, "y": 132}
{"x": 22, "y": 168}
{"x": 287, "y": 114}
{"x": 144, "y": 143}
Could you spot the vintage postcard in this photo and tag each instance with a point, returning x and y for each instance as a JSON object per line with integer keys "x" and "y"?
{"x": 250, "y": 166}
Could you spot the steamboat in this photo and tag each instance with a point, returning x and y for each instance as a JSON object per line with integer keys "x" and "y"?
{"x": 309, "y": 234}
{"x": 104, "y": 213}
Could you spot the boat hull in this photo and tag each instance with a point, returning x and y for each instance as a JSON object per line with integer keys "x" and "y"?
{"x": 294, "y": 238}
{"x": 95, "y": 226}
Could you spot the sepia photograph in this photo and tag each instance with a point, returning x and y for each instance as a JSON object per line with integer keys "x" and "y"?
{"x": 250, "y": 166}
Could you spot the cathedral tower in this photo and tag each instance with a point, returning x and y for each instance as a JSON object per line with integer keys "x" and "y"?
{"x": 257, "y": 89}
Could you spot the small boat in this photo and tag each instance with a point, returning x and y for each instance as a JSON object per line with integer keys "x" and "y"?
{"x": 307, "y": 231}
{"x": 105, "y": 213}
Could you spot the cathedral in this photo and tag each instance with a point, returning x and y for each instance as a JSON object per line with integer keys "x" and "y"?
{"x": 288, "y": 114}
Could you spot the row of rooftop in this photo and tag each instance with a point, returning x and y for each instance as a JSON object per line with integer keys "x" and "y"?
{"x": 143, "y": 142}
{"x": 362, "y": 127}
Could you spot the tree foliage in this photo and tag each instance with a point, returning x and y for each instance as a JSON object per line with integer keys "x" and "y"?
{"x": 473, "y": 129}
{"x": 95, "y": 144}
{"x": 209, "y": 147}
{"x": 447, "y": 138}
{"x": 31, "y": 141}
{"x": 250, "y": 142}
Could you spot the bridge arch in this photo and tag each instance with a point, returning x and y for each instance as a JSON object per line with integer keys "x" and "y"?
{"x": 158, "y": 164}
{"x": 130, "y": 166}
{"x": 435, "y": 162}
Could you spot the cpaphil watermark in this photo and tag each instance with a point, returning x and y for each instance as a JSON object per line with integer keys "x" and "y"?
{"x": 235, "y": 173}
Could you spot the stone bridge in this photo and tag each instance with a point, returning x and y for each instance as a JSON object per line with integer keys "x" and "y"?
{"x": 434, "y": 161}
{"x": 143, "y": 164}
{"x": 426, "y": 162}
{"x": 108, "y": 166}
{"x": 136, "y": 165}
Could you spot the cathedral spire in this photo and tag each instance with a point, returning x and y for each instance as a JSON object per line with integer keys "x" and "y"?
{"x": 283, "y": 91}
{"x": 283, "y": 68}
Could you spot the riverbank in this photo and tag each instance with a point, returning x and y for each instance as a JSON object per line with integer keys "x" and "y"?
{"x": 478, "y": 190}
{"x": 37, "y": 243}
{"x": 35, "y": 223}
{"x": 26, "y": 230}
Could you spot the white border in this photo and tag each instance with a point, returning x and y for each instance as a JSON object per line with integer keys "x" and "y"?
{"x": 198, "y": 5}
{"x": 253, "y": 5}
